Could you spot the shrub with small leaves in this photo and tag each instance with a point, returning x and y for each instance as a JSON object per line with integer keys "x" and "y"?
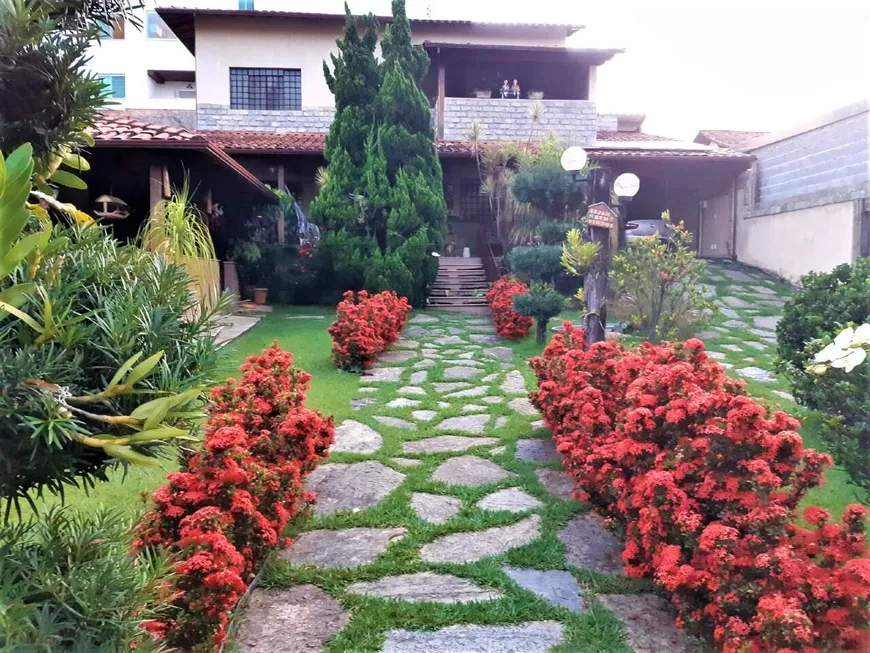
{"x": 541, "y": 303}
{"x": 365, "y": 325}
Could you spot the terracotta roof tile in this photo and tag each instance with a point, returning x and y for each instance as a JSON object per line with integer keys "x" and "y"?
{"x": 250, "y": 142}
{"x": 726, "y": 137}
{"x": 623, "y": 150}
{"x": 630, "y": 137}
{"x": 111, "y": 128}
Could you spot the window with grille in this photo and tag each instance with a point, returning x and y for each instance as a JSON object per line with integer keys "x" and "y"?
{"x": 116, "y": 85}
{"x": 111, "y": 30}
{"x": 473, "y": 206}
{"x": 246, "y": 5}
{"x": 270, "y": 89}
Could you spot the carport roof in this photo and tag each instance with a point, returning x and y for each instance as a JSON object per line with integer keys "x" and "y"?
{"x": 131, "y": 133}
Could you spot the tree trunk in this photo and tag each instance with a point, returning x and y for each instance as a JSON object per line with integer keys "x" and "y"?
{"x": 595, "y": 288}
{"x": 541, "y": 331}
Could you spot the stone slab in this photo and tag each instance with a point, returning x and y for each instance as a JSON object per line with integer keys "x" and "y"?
{"x": 523, "y": 406}
{"x": 484, "y": 338}
{"x": 465, "y": 423}
{"x": 402, "y": 402}
{"x": 425, "y": 586}
{"x": 501, "y": 421}
{"x": 511, "y": 499}
{"x": 468, "y": 392}
{"x": 425, "y": 363}
{"x": 736, "y": 302}
{"x": 493, "y": 400}
{"x": 354, "y": 437}
{"x": 514, "y": 383}
{"x": 558, "y": 483}
{"x": 730, "y": 347}
{"x": 397, "y": 356}
{"x": 403, "y": 343}
{"x": 473, "y": 408}
{"x": 406, "y": 462}
{"x": 504, "y": 353}
{"x": 783, "y": 395}
{"x": 396, "y": 422}
{"x": 558, "y": 588}
{"x": 735, "y": 324}
{"x": 469, "y": 471}
{"x": 441, "y": 388}
{"x": 382, "y": 375}
{"x": 536, "y": 450}
{"x": 737, "y": 275}
{"x": 531, "y": 637}
{"x": 760, "y": 346}
{"x": 443, "y": 443}
{"x": 340, "y": 549}
{"x": 757, "y": 374}
{"x": 351, "y": 487}
{"x": 435, "y": 508}
{"x": 766, "y": 321}
{"x": 715, "y": 355}
{"x": 358, "y": 404}
{"x": 476, "y": 545}
{"x": 450, "y": 340}
{"x": 424, "y": 415}
{"x": 412, "y": 391}
{"x": 452, "y": 373}
{"x": 419, "y": 377}
{"x": 300, "y": 619}
{"x": 649, "y": 624}
{"x": 589, "y": 545}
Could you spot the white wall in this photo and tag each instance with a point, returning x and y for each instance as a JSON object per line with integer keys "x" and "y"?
{"x": 223, "y": 43}
{"x": 792, "y": 243}
{"x": 133, "y": 56}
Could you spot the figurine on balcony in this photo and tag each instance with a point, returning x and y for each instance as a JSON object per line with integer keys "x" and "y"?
{"x": 515, "y": 90}
{"x": 505, "y": 90}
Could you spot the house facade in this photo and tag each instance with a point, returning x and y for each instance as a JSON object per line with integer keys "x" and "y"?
{"x": 262, "y": 99}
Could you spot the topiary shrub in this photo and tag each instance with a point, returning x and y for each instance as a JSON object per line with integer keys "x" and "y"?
{"x": 541, "y": 303}
{"x": 542, "y": 263}
{"x": 825, "y": 304}
{"x": 554, "y": 233}
{"x": 387, "y": 272}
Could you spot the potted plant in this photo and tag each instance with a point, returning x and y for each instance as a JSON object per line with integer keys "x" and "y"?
{"x": 261, "y": 295}
{"x": 536, "y": 95}
{"x": 483, "y": 93}
{"x": 246, "y": 255}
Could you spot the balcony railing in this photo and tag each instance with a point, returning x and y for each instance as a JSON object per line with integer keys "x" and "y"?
{"x": 573, "y": 122}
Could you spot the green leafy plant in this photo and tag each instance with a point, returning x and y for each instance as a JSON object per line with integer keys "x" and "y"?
{"x": 811, "y": 320}
{"x": 578, "y": 255}
{"x": 176, "y": 230}
{"x": 68, "y": 584}
{"x": 660, "y": 281}
{"x": 103, "y": 350}
{"x": 542, "y": 303}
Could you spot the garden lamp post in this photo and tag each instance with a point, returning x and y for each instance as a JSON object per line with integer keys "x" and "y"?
{"x": 625, "y": 186}
{"x": 601, "y": 219}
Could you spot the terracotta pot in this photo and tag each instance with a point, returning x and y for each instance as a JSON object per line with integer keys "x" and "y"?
{"x": 482, "y": 93}
{"x": 261, "y": 295}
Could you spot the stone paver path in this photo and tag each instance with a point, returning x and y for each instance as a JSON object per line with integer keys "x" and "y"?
{"x": 443, "y": 522}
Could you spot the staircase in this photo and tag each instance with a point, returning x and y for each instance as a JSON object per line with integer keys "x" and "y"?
{"x": 461, "y": 285}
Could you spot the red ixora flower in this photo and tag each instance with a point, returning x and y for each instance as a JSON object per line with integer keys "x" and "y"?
{"x": 221, "y": 515}
{"x": 500, "y": 297}
{"x": 365, "y": 325}
{"x": 704, "y": 483}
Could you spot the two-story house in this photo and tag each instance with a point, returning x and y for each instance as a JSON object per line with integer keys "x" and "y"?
{"x": 263, "y": 100}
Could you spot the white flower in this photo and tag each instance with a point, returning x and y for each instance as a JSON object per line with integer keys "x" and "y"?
{"x": 862, "y": 335}
{"x": 853, "y": 357}
{"x": 436, "y": 254}
{"x": 829, "y": 353}
{"x": 844, "y": 338}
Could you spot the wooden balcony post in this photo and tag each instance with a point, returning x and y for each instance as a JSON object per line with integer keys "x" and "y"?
{"x": 440, "y": 110}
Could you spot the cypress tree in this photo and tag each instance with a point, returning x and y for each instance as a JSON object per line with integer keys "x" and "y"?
{"x": 414, "y": 207}
{"x": 354, "y": 81}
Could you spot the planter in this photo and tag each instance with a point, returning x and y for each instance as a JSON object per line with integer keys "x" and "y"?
{"x": 231, "y": 278}
{"x": 536, "y": 95}
{"x": 482, "y": 93}
{"x": 261, "y": 295}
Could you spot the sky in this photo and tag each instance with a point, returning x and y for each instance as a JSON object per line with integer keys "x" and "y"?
{"x": 759, "y": 65}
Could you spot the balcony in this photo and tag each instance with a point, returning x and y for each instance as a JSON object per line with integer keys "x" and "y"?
{"x": 572, "y": 122}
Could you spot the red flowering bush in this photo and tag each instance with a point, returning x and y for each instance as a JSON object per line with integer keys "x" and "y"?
{"x": 500, "y": 297}
{"x": 224, "y": 512}
{"x": 704, "y": 483}
{"x": 365, "y": 326}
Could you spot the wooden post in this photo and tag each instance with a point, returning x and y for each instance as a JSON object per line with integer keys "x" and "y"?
{"x": 601, "y": 220}
{"x": 155, "y": 186}
{"x": 441, "y": 91}
{"x": 281, "y": 224}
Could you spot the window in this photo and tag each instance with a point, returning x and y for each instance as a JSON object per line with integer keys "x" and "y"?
{"x": 246, "y": 4}
{"x": 112, "y": 30}
{"x": 116, "y": 85}
{"x": 473, "y": 206}
{"x": 271, "y": 89}
{"x": 156, "y": 28}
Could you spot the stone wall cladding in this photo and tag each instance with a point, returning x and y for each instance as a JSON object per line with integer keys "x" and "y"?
{"x": 216, "y": 117}
{"x": 834, "y": 158}
{"x": 574, "y": 122}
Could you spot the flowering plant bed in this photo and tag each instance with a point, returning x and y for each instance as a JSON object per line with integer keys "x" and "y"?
{"x": 366, "y": 325}
{"x": 226, "y": 510}
{"x": 704, "y": 484}
{"x": 500, "y": 296}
